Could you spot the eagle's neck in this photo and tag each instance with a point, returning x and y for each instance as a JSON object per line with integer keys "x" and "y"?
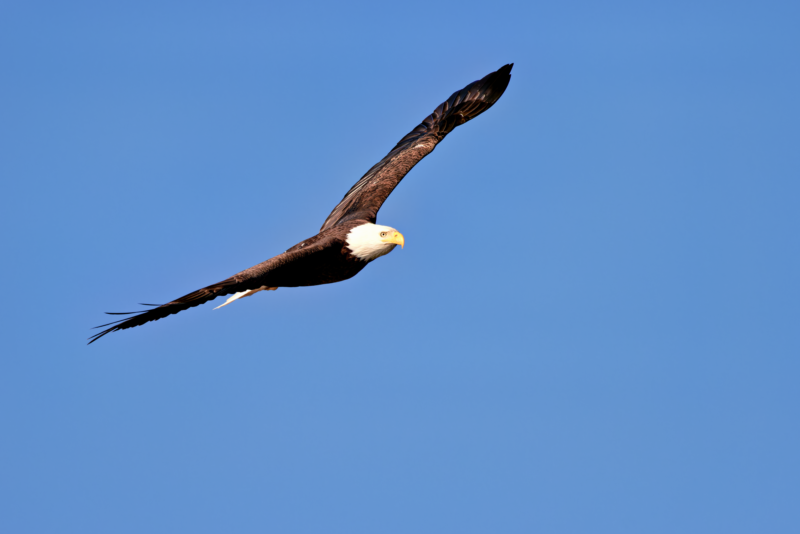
{"x": 365, "y": 243}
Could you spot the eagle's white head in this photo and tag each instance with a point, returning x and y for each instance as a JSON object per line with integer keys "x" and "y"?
{"x": 370, "y": 241}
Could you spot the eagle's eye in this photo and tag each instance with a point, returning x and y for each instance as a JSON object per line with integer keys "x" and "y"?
{"x": 383, "y": 234}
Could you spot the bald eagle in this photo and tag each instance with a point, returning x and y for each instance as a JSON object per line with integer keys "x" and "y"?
{"x": 350, "y": 237}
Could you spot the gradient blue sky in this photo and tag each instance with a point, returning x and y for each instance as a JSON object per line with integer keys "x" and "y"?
{"x": 593, "y": 326}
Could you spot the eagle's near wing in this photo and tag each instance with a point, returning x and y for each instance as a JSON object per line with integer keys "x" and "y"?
{"x": 366, "y": 197}
{"x": 263, "y": 275}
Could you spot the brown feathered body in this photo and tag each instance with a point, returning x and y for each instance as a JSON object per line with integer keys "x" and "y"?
{"x": 322, "y": 259}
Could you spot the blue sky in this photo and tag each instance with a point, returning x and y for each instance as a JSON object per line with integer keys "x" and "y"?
{"x": 593, "y": 326}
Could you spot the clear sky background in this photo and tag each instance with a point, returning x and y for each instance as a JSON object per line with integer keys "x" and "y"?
{"x": 593, "y": 326}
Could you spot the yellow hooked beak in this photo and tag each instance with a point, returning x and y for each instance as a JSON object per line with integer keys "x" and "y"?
{"x": 396, "y": 238}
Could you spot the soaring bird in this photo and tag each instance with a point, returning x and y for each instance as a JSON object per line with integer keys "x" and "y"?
{"x": 350, "y": 237}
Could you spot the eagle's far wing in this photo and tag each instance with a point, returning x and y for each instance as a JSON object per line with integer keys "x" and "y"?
{"x": 368, "y": 194}
{"x": 253, "y": 278}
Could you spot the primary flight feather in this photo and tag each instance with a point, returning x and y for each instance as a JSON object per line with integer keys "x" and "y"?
{"x": 349, "y": 238}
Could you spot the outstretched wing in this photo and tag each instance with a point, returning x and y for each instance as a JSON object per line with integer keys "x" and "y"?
{"x": 366, "y": 197}
{"x": 263, "y": 274}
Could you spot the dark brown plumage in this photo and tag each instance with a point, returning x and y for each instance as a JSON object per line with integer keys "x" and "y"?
{"x": 366, "y": 197}
{"x": 328, "y": 256}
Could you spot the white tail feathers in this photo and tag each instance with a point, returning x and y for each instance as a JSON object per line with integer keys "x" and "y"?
{"x": 243, "y": 294}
